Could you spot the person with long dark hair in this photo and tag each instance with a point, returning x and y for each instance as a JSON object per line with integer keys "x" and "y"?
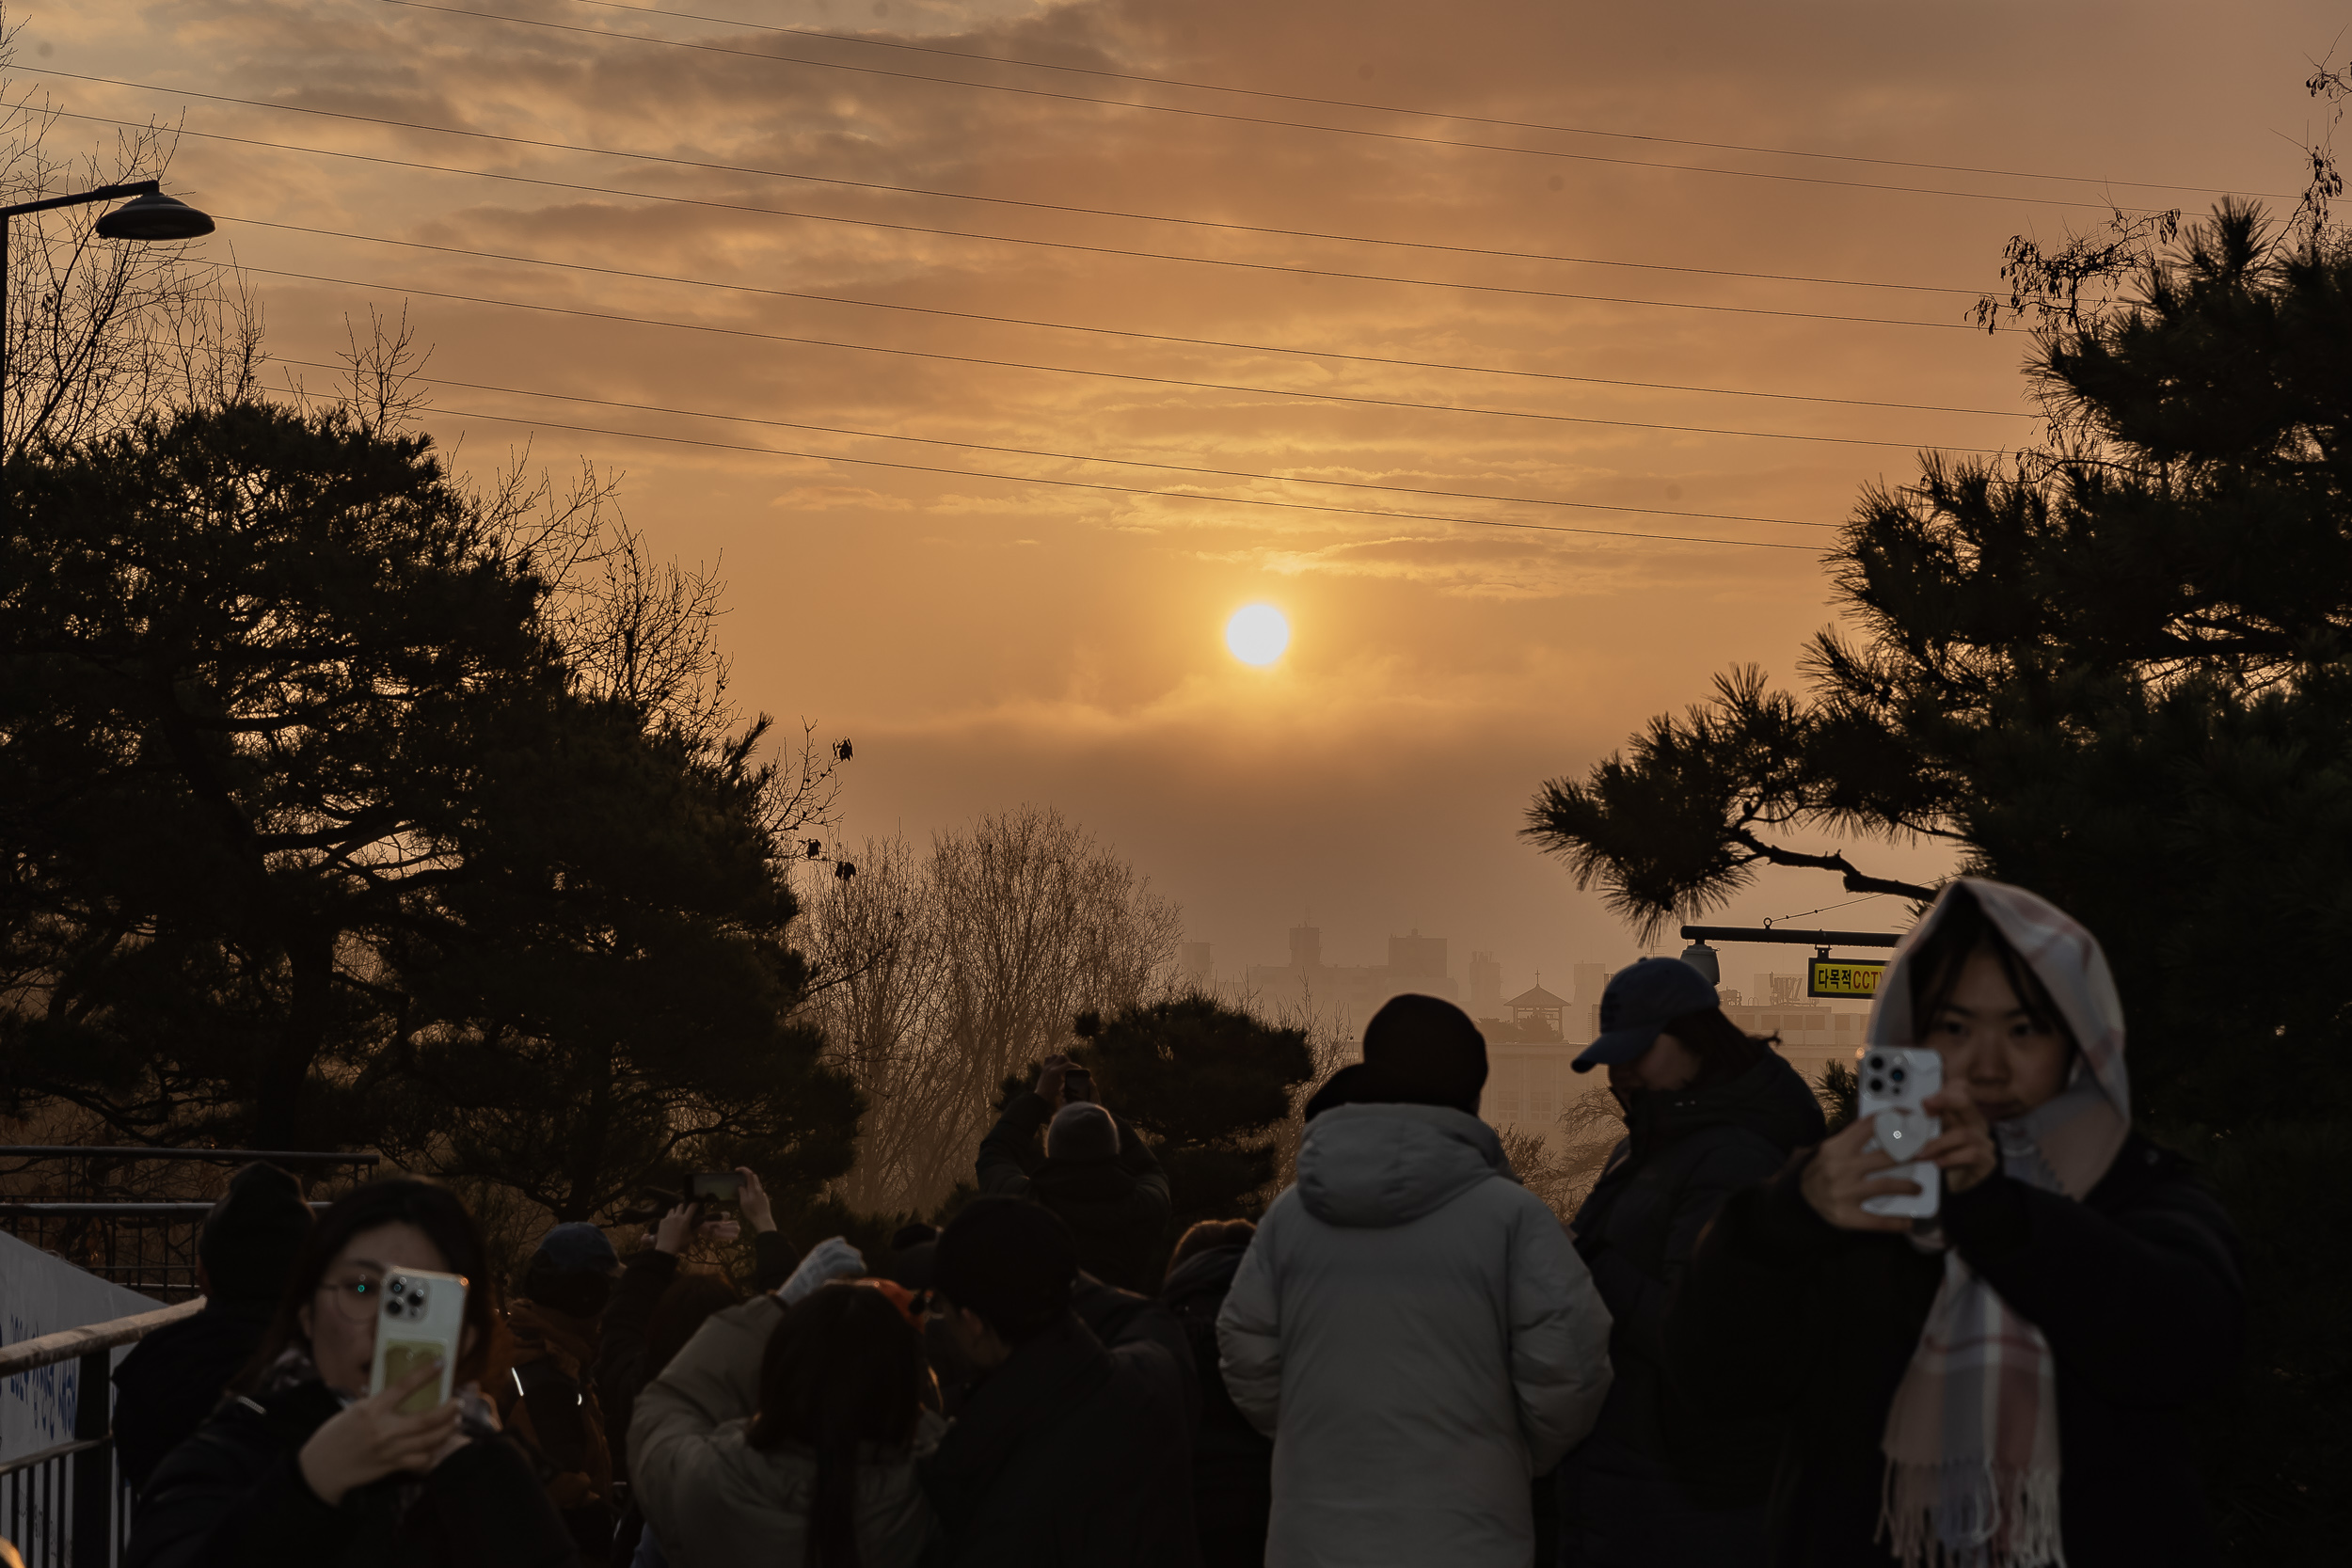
{"x": 304, "y": 1469}
{"x": 2007, "y": 1384}
{"x": 823, "y": 1474}
{"x": 1709, "y": 1110}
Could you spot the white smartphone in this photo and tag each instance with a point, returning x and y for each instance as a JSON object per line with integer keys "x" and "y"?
{"x": 1899, "y": 1079}
{"x": 422, "y": 1319}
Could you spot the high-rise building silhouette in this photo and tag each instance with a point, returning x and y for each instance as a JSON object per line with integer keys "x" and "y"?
{"x": 1485, "y": 986}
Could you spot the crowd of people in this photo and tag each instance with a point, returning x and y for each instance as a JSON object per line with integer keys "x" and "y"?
{"x": 1727, "y": 1357}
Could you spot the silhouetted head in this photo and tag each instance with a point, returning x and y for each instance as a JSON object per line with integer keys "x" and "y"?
{"x": 252, "y": 1237}
{"x": 1009, "y": 1262}
{"x": 1421, "y": 1050}
{"x": 1343, "y": 1088}
{"x": 684, "y": 1306}
{"x": 1081, "y": 1131}
{"x": 1208, "y": 1236}
{"x": 572, "y": 1271}
{"x": 844, "y": 1367}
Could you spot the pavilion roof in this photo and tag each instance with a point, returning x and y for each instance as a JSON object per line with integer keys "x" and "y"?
{"x": 1537, "y": 997}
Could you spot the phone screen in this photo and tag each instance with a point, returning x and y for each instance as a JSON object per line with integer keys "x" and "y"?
{"x": 1078, "y": 1083}
{"x": 713, "y": 1186}
{"x": 403, "y": 1358}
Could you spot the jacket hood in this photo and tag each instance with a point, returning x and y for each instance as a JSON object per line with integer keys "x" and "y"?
{"x": 2066, "y": 1144}
{"x": 1378, "y": 1166}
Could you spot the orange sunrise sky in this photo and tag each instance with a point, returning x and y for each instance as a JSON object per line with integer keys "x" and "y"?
{"x": 1660, "y": 286}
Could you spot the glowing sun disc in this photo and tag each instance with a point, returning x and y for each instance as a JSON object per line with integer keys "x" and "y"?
{"x": 1257, "y": 634}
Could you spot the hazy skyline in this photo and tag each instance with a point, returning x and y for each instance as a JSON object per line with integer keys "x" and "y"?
{"x": 986, "y": 642}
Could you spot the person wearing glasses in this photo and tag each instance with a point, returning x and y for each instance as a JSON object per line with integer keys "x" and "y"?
{"x": 300, "y": 1465}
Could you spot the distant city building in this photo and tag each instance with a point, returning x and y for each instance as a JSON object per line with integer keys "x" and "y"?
{"x": 1349, "y": 994}
{"x": 1485, "y": 986}
{"x": 1192, "y": 962}
{"x": 1534, "y": 1019}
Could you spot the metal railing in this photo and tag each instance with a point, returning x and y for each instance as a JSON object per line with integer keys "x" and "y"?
{"x": 145, "y": 1247}
{"x": 66, "y": 1506}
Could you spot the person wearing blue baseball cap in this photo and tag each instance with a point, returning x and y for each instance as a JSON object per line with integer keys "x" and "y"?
{"x": 1708, "y": 1109}
{"x": 549, "y": 1397}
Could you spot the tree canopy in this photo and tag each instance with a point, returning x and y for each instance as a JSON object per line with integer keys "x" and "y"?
{"x": 319, "y": 833}
{"x": 2115, "y": 670}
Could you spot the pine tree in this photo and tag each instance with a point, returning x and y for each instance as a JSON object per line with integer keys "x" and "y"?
{"x": 2114, "y": 669}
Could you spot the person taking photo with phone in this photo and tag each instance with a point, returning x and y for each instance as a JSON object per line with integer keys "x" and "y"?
{"x": 303, "y": 1468}
{"x": 1104, "y": 1181}
{"x": 2004, "y": 1383}
{"x": 1709, "y": 1110}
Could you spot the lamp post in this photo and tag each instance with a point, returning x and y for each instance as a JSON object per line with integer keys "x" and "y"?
{"x": 148, "y": 215}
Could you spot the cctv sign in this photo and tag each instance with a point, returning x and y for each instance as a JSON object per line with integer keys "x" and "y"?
{"x": 1836, "y": 977}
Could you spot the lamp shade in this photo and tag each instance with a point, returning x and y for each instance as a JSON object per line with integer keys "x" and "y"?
{"x": 155, "y": 217}
{"x": 1703, "y": 959}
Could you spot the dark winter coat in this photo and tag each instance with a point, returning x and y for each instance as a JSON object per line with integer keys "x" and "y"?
{"x": 1652, "y": 1485}
{"x": 1117, "y": 1205}
{"x": 1232, "y": 1461}
{"x": 1078, "y": 1452}
{"x": 2137, "y": 1289}
{"x": 173, "y": 1379}
{"x": 232, "y": 1497}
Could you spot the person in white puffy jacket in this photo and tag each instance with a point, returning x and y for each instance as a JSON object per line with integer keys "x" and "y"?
{"x": 1411, "y": 1324}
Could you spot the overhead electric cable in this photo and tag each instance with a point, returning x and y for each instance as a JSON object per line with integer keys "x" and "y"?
{"x": 1352, "y": 399}
{"x": 1124, "y": 489}
{"x": 604, "y": 33}
{"x": 1078, "y": 457}
{"x": 868, "y": 43}
{"x": 1117, "y": 250}
{"x": 1106, "y": 331}
{"x": 1001, "y": 201}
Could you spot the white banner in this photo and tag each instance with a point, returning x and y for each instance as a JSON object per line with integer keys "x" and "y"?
{"x": 40, "y": 1295}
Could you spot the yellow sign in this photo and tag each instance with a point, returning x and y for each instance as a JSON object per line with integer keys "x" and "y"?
{"x": 1843, "y": 977}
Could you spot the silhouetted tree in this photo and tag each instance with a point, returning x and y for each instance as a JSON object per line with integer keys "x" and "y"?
{"x": 2117, "y": 671}
{"x": 316, "y": 833}
{"x": 1208, "y": 1083}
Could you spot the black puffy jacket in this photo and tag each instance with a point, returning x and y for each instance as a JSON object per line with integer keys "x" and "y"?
{"x": 2137, "y": 1289}
{"x": 1232, "y": 1461}
{"x": 1078, "y": 1452}
{"x": 1116, "y": 1205}
{"x": 232, "y": 1496}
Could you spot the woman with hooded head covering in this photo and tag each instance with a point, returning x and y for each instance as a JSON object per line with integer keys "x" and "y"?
{"x": 2005, "y": 1385}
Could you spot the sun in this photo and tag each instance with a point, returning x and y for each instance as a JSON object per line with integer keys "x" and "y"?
{"x": 1257, "y": 634}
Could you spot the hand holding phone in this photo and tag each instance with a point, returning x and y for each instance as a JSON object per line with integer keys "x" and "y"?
{"x": 1895, "y": 1085}
{"x": 371, "y": 1439}
{"x": 713, "y": 1186}
{"x": 1077, "y": 1084}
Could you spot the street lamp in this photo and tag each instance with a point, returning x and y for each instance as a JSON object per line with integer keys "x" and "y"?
{"x": 148, "y": 215}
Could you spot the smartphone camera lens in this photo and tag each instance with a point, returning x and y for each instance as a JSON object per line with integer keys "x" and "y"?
{"x": 416, "y": 1299}
{"x": 1897, "y": 1075}
{"x": 1877, "y": 1061}
{"x": 1878, "y": 1086}
{"x": 391, "y": 1307}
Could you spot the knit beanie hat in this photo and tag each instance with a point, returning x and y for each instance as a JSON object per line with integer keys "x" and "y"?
{"x": 1421, "y": 1050}
{"x": 1081, "y": 1130}
{"x": 251, "y": 1238}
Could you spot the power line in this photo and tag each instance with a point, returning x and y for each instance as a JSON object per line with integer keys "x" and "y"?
{"x": 1150, "y": 337}
{"x": 1247, "y": 119}
{"x": 1004, "y": 201}
{"x": 1352, "y": 399}
{"x": 1102, "y": 250}
{"x": 1394, "y": 109}
{"x": 1123, "y": 489}
{"x": 1081, "y": 457}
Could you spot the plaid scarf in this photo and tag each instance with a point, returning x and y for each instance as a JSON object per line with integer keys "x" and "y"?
{"x": 1972, "y": 1440}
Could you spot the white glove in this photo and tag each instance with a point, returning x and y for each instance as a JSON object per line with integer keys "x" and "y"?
{"x": 829, "y": 1260}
